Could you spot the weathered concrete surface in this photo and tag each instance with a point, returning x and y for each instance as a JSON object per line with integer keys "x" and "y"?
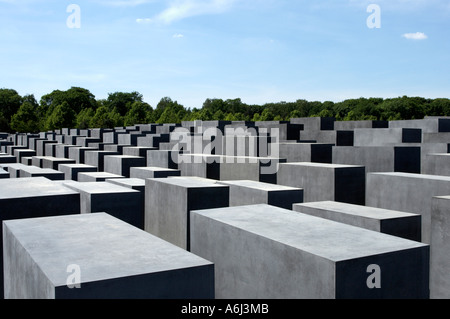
{"x": 408, "y": 193}
{"x": 437, "y": 164}
{"x": 307, "y": 152}
{"x": 267, "y": 252}
{"x": 406, "y": 159}
{"x": 153, "y": 172}
{"x": 34, "y": 197}
{"x": 121, "y": 164}
{"x": 440, "y": 249}
{"x": 168, "y": 202}
{"x": 33, "y": 171}
{"x": 96, "y": 177}
{"x": 114, "y": 260}
{"x": 391, "y": 222}
{"x": 386, "y": 136}
{"x": 251, "y": 192}
{"x": 71, "y": 171}
{"x": 335, "y": 182}
{"x": 121, "y": 202}
{"x": 3, "y": 173}
{"x": 96, "y": 158}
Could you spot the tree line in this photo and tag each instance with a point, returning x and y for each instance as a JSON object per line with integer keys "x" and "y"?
{"x": 78, "y": 108}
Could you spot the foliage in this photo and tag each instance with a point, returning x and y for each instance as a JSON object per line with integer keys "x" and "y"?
{"x": 78, "y": 107}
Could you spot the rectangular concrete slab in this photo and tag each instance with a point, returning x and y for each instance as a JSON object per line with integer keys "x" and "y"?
{"x": 153, "y": 172}
{"x": 121, "y": 202}
{"x": 266, "y": 252}
{"x": 114, "y": 261}
{"x": 71, "y": 171}
{"x": 247, "y": 192}
{"x": 440, "y": 249}
{"x": 335, "y": 182}
{"x": 391, "y": 222}
{"x": 168, "y": 202}
{"x": 33, "y": 171}
{"x": 34, "y": 197}
{"x": 96, "y": 176}
{"x": 408, "y": 193}
{"x": 121, "y": 164}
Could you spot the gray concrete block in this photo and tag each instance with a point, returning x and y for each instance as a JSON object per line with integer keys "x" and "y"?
{"x": 436, "y": 137}
{"x": 121, "y": 202}
{"x": 427, "y": 125}
{"x": 86, "y": 141}
{"x": 226, "y": 168}
{"x": 96, "y": 158}
{"x": 437, "y": 164}
{"x": 34, "y": 197}
{"x": 27, "y": 160}
{"x": 153, "y": 172}
{"x": 132, "y": 183}
{"x": 13, "y": 169}
{"x": 34, "y": 171}
{"x": 54, "y": 162}
{"x": 77, "y": 153}
{"x": 335, "y": 182}
{"x": 351, "y": 125}
{"x": 386, "y": 136}
{"x": 391, "y": 222}
{"x": 406, "y": 159}
{"x": 71, "y": 171}
{"x": 162, "y": 158}
{"x": 11, "y": 148}
{"x": 8, "y": 159}
{"x": 62, "y": 150}
{"x": 50, "y": 149}
{"x": 92, "y": 177}
{"x": 37, "y": 161}
{"x": 266, "y": 252}
{"x": 3, "y": 174}
{"x": 408, "y": 193}
{"x": 137, "y": 151}
{"x": 40, "y": 146}
{"x": 168, "y": 202}
{"x": 440, "y": 249}
{"x": 123, "y": 263}
{"x": 121, "y": 164}
{"x": 251, "y": 192}
{"x": 307, "y": 152}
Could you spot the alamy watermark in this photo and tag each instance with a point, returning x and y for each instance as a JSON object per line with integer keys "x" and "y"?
{"x": 374, "y": 280}
{"x": 74, "y": 279}
{"x": 374, "y": 20}
{"x": 74, "y": 19}
{"x": 237, "y": 145}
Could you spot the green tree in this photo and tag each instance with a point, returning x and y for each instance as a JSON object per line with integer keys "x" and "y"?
{"x": 169, "y": 116}
{"x": 26, "y": 119}
{"x": 104, "y": 118}
{"x": 10, "y": 102}
{"x": 122, "y": 101}
{"x": 63, "y": 116}
{"x": 139, "y": 113}
{"x": 77, "y": 98}
{"x": 84, "y": 118}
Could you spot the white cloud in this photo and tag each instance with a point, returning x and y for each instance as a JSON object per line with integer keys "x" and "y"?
{"x": 415, "y": 36}
{"x": 143, "y": 21}
{"x": 125, "y": 3}
{"x": 181, "y": 9}
{"x": 178, "y": 35}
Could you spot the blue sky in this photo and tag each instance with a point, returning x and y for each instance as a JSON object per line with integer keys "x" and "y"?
{"x": 258, "y": 50}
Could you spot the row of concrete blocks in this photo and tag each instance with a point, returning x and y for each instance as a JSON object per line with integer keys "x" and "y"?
{"x": 426, "y": 158}
{"x": 238, "y": 240}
